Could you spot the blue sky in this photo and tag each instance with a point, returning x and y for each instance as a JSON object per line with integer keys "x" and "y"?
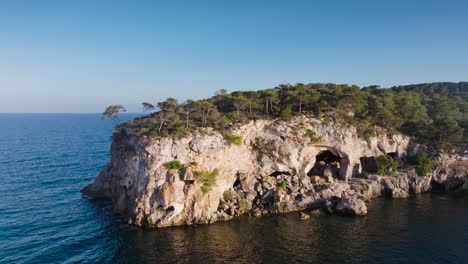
{"x": 80, "y": 56}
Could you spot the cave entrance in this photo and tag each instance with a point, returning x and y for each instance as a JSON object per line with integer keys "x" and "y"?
{"x": 368, "y": 164}
{"x": 327, "y": 165}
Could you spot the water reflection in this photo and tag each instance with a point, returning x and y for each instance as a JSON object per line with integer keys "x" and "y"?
{"x": 393, "y": 232}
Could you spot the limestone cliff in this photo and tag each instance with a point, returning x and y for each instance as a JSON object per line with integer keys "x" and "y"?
{"x": 279, "y": 167}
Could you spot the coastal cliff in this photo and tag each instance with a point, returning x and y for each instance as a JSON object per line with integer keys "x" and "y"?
{"x": 277, "y": 166}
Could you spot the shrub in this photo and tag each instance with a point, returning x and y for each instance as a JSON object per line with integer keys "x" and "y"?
{"x": 312, "y": 135}
{"x": 386, "y": 165}
{"x": 173, "y": 165}
{"x": 208, "y": 178}
{"x": 228, "y": 196}
{"x": 233, "y": 139}
{"x": 424, "y": 167}
{"x": 286, "y": 114}
{"x": 281, "y": 184}
{"x": 423, "y": 163}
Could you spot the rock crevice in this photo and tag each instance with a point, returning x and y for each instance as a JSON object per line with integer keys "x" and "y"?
{"x": 277, "y": 168}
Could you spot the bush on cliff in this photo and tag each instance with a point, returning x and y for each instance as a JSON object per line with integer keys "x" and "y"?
{"x": 281, "y": 184}
{"x": 423, "y": 163}
{"x": 386, "y": 165}
{"x": 208, "y": 178}
{"x": 233, "y": 139}
{"x": 173, "y": 165}
{"x": 312, "y": 135}
{"x": 228, "y": 196}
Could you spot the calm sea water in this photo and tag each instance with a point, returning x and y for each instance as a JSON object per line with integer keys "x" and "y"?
{"x": 45, "y": 159}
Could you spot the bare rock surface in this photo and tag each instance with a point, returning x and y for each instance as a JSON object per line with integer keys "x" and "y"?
{"x": 272, "y": 171}
{"x": 352, "y": 206}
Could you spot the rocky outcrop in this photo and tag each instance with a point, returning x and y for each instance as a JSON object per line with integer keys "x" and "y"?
{"x": 272, "y": 171}
{"x": 452, "y": 174}
{"x": 352, "y": 206}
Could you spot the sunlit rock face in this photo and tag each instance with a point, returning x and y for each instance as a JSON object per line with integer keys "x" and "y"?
{"x": 452, "y": 173}
{"x": 278, "y": 167}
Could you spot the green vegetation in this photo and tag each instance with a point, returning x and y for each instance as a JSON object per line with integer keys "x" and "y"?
{"x": 233, "y": 139}
{"x": 312, "y": 135}
{"x": 228, "y": 196}
{"x": 147, "y": 106}
{"x": 208, "y": 178}
{"x": 423, "y": 163}
{"x": 173, "y": 165}
{"x": 434, "y": 114}
{"x": 112, "y": 113}
{"x": 286, "y": 114}
{"x": 386, "y": 165}
{"x": 281, "y": 184}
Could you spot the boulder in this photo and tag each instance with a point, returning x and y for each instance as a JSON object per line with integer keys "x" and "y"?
{"x": 395, "y": 186}
{"x": 351, "y": 206}
{"x": 418, "y": 184}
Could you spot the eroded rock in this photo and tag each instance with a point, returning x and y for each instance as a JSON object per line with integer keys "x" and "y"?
{"x": 351, "y": 206}
{"x": 268, "y": 172}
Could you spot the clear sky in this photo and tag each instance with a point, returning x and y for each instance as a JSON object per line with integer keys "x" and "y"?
{"x": 80, "y": 56}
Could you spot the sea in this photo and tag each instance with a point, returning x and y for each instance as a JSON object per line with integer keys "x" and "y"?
{"x": 45, "y": 159}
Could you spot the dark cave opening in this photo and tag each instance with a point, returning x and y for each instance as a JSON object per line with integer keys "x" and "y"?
{"x": 327, "y": 164}
{"x": 237, "y": 183}
{"x": 368, "y": 164}
{"x": 277, "y": 173}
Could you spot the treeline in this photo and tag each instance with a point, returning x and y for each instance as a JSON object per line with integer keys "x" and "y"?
{"x": 434, "y": 113}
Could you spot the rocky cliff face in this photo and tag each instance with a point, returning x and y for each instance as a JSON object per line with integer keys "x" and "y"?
{"x": 279, "y": 167}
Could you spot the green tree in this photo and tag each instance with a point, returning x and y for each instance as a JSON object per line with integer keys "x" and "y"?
{"x": 168, "y": 109}
{"x": 435, "y": 113}
{"x": 301, "y": 94}
{"x": 147, "y": 106}
{"x": 112, "y": 112}
{"x": 189, "y": 107}
{"x": 253, "y": 101}
{"x": 205, "y": 108}
{"x": 239, "y": 102}
{"x": 286, "y": 114}
{"x": 270, "y": 98}
{"x": 312, "y": 97}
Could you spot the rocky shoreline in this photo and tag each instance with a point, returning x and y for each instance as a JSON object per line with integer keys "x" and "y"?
{"x": 277, "y": 168}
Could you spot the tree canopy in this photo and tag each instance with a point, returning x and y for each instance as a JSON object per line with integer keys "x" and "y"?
{"x": 434, "y": 113}
{"x": 112, "y": 112}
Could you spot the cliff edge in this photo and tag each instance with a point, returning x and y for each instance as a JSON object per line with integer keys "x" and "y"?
{"x": 275, "y": 166}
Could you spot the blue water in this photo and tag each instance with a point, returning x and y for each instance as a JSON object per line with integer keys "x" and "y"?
{"x": 45, "y": 159}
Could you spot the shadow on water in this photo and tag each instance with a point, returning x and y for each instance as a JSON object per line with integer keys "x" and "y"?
{"x": 423, "y": 229}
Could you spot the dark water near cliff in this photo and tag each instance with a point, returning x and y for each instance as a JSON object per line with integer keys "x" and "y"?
{"x": 46, "y": 159}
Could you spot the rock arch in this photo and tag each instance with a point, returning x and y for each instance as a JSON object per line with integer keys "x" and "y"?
{"x": 330, "y": 163}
